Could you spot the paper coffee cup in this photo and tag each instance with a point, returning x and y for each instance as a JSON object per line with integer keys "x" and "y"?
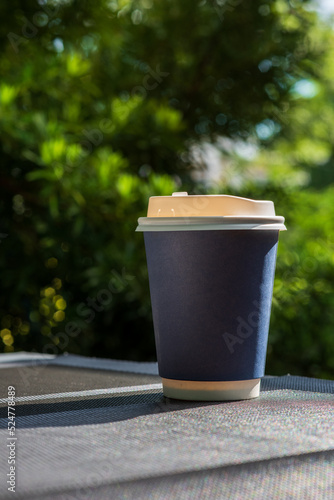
{"x": 211, "y": 264}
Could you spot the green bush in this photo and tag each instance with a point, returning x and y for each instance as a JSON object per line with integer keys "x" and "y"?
{"x": 302, "y": 340}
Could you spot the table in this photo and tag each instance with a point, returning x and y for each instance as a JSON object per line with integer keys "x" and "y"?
{"x": 101, "y": 429}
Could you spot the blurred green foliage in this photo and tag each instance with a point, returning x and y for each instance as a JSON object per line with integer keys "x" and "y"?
{"x": 103, "y": 104}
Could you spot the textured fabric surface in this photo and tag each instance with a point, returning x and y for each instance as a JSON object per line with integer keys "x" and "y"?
{"x": 128, "y": 441}
{"x": 18, "y": 359}
{"x": 49, "y": 379}
{"x": 303, "y": 477}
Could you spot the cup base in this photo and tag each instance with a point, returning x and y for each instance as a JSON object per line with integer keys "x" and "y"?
{"x": 211, "y": 391}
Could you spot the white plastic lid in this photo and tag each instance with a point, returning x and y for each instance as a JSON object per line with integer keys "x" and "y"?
{"x": 183, "y": 212}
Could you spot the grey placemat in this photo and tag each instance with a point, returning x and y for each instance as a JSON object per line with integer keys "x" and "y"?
{"x": 143, "y": 436}
{"x": 34, "y": 359}
{"x": 302, "y": 477}
{"x": 44, "y": 380}
{"x": 119, "y": 437}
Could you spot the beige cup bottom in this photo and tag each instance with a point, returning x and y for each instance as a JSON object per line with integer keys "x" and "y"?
{"x": 211, "y": 391}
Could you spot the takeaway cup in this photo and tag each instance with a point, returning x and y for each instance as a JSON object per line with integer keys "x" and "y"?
{"x": 211, "y": 264}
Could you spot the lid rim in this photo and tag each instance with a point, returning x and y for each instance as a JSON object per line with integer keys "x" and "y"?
{"x": 213, "y": 227}
{"x": 147, "y": 224}
{"x": 205, "y": 220}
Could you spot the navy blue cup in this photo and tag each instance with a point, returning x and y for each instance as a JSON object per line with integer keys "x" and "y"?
{"x": 211, "y": 295}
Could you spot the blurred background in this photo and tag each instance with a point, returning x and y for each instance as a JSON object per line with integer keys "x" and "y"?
{"x": 105, "y": 103}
